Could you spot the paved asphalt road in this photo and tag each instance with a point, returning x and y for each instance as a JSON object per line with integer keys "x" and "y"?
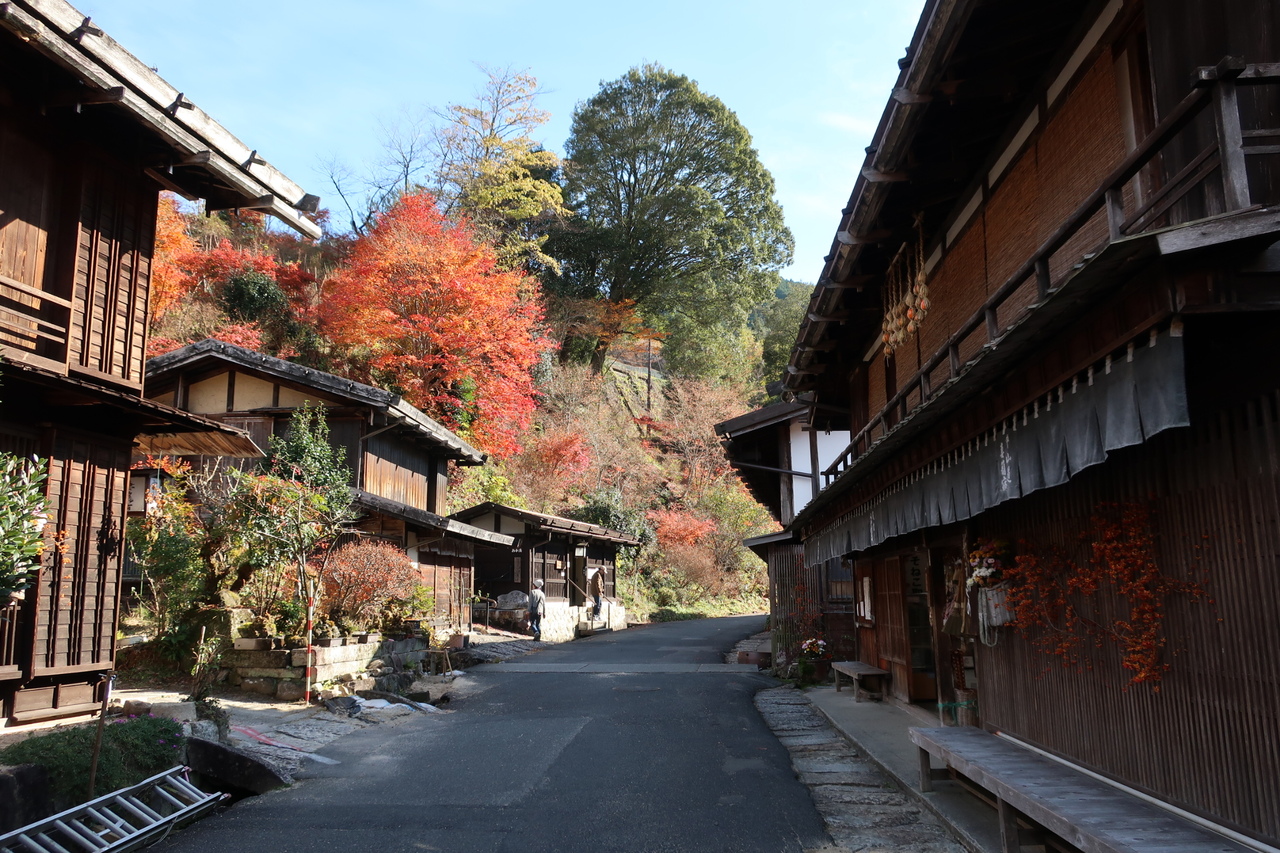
{"x": 631, "y": 750}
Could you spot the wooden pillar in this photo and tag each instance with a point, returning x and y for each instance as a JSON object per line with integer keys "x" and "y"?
{"x": 1226, "y": 109}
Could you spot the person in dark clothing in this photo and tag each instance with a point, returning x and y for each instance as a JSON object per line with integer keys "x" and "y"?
{"x": 596, "y": 587}
{"x": 537, "y": 609}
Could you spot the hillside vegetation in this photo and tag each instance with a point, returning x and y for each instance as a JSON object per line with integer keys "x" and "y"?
{"x": 588, "y": 346}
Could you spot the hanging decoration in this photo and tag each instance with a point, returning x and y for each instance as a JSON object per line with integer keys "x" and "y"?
{"x": 905, "y": 293}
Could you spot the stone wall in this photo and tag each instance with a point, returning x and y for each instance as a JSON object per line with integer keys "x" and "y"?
{"x": 282, "y": 673}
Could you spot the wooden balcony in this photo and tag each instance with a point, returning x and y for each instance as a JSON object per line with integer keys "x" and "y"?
{"x": 33, "y": 325}
{"x": 1210, "y": 187}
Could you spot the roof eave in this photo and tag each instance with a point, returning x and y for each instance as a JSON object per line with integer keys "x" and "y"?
{"x": 65, "y": 35}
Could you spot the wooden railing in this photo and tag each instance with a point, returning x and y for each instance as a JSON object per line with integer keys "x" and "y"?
{"x": 10, "y": 614}
{"x": 27, "y": 321}
{"x": 1226, "y": 154}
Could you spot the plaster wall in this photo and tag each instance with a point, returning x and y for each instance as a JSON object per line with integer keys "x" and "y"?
{"x": 830, "y": 445}
{"x": 560, "y": 624}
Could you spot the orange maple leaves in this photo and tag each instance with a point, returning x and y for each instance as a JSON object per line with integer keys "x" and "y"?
{"x": 1119, "y": 595}
{"x": 427, "y": 310}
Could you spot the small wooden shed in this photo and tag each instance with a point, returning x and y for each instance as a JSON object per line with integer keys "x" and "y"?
{"x": 561, "y": 552}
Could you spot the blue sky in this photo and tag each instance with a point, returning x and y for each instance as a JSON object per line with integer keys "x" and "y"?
{"x": 305, "y": 82}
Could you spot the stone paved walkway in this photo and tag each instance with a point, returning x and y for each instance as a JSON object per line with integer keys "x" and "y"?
{"x": 865, "y": 811}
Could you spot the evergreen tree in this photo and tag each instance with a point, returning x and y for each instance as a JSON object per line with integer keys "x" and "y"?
{"x": 674, "y": 212}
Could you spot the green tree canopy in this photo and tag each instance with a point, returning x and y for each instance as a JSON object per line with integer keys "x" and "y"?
{"x": 776, "y": 320}
{"x": 674, "y": 210}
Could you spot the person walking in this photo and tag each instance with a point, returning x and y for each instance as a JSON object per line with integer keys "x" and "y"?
{"x": 537, "y": 608}
{"x": 596, "y": 587}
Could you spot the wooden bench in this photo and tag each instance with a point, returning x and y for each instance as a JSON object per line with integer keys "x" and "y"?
{"x": 1090, "y": 814}
{"x": 857, "y": 670}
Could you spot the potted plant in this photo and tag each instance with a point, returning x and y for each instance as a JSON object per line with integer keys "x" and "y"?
{"x": 257, "y": 635}
{"x": 814, "y": 660}
{"x": 987, "y": 575}
{"x": 326, "y": 633}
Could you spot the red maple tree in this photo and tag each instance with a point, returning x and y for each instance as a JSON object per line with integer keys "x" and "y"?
{"x": 425, "y": 310}
{"x": 170, "y": 280}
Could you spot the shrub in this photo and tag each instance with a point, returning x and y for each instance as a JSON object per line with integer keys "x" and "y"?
{"x": 361, "y": 577}
{"x": 166, "y": 545}
{"x": 22, "y": 521}
{"x": 133, "y": 749}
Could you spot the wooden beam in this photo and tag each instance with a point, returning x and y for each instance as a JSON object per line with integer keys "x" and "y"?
{"x": 1235, "y": 181}
{"x": 839, "y": 317}
{"x": 877, "y": 177}
{"x": 87, "y": 97}
{"x": 906, "y": 96}
{"x": 33, "y": 291}
{"x": 266, "y": 202}
{"x": 877, "y": 236}
{"x": 826, "y": 346}
{"x": 852, "y": 282}
{"x": 168, "y": 183}
{"x": 1264, "y": 222}
{"x": 736, "y": 464}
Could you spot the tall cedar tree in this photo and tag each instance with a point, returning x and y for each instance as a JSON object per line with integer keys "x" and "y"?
{"x": 674, "y": 210}
{"x": 431, "y": 316}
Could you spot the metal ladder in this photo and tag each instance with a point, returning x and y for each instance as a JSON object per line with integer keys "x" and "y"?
{"x": 119, "y": 821}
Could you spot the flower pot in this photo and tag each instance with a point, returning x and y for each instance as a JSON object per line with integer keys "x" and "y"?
{"x": 813, "y": 671}
{"x": 252, "y": 644}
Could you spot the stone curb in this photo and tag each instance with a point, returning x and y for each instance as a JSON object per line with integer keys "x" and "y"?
{"x": 863, "y": 807}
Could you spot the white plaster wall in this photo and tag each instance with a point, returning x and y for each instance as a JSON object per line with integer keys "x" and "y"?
{"x": 289, "y": 398}
{"x": 208, "y": 395}
{"x": 252, "y": 393}
{"x": 560, "y": 623}
{"x": 830, "y": 445}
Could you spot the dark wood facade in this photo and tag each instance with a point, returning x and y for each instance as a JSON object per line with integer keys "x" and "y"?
{"x": 88, "y": 138}
{"x": 1085, "y": 191}
{"x": 560, "y": 552}
{"x": 397, "y": 456}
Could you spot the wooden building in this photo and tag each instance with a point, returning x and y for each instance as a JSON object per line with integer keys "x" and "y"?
{"x": 780, "y": 458}
{"x": 398, "y": 457}
{"x": 564, "y": 554}
{"x": 89, "y": 136}
{"x": 1045, "y": 320}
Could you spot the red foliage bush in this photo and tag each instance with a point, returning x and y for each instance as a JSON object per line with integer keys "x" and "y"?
{"x": 362, "y": 576}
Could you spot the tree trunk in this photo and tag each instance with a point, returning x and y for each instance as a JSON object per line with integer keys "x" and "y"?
{"x": 598, "y": 355}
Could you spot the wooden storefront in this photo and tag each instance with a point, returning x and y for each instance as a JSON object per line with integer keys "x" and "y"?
{"x": 1038, "y": 309}
{"x": 560, "y": 552}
